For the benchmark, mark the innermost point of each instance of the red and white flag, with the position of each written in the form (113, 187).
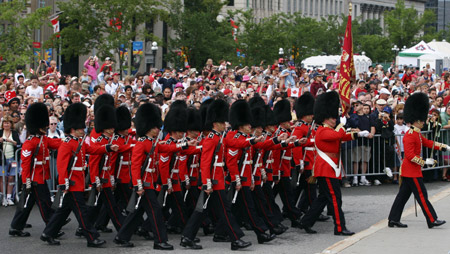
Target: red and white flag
(293, 92)
(55, 24)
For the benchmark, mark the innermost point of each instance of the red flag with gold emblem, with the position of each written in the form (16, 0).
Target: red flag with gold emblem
(347, 71)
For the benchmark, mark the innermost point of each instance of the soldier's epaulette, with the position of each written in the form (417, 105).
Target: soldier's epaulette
(199, 138)
(67, 139)
(30, 137)
(410, 131)
(169, 141)
(211, 135)
(142, 139)
(99, 139)
(237, 135)
(299, 123)
(116, 137)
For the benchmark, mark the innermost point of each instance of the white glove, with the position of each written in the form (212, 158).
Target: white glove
(429, 161)
(28, 183)
(363, 134)
(302, 165)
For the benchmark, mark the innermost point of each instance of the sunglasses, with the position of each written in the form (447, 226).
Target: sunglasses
(15, 116)
(20, 88)
(22, 114)
(53, 124)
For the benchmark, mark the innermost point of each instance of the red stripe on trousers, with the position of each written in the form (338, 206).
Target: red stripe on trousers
(335, 205)
(81, 217)
(422, 199)
(226, 216)
(154, 218)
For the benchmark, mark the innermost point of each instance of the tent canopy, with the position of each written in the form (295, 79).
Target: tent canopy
(440, 46)
(417, 50)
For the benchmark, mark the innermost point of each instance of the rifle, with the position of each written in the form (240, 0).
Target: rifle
(93, 197)
(303, 163)
(241, 175)
(25, 195)
(190, 160)
(119, 163)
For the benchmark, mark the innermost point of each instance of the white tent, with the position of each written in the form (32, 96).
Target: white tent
(417, 50)
(362, 63)
(440, 46)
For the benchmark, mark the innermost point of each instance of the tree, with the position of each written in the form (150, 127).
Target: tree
(198, 33)
(405, 25)
(108, 26)
(16, 41)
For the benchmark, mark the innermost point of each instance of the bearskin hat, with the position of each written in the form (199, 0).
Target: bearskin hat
(282, 111)
(194, 120)
(203, 109)
(270, 116)
(176, 118)
(178, 104)
(36, 118)
(258, 117)
(416, 108)
(105, 118)
(75, 117)
(148, 116)
(123, 117)
(256, 101)
(217, 112)
(104, 99)
(304, 105)
(240, 114)
(326, 106)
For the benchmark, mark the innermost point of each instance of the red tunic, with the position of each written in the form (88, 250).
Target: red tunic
(328, 140)
(300, 131)
(412, 163)
(41, 165)
(65, 152)
(282, 157)
(138, 156)
(168, 153)
(125, 143)
(102, 171)
(209, 170)
(189, 163)
(235, 143)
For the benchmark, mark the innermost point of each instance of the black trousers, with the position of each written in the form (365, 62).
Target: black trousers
(41, 196)
(73, 201)
(412, 185)
(178, 207)
(122, 195)
(287, 197)
(270, 201)
(150, 205)
(329, 193)
(248, 211)
(226, 224)
(112, 210)
(262, 208)
(308, 192)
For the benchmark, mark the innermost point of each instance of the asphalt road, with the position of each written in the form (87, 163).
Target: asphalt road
(363, 207)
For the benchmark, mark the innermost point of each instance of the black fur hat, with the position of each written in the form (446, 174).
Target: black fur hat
(36, 118)
(178, 104)
(102, 100)
(105, 118)
(270, 116)
(75, 117)
(240, 114)
(176, 118)
(304, 105)
(217, 112)
(416, 108)
(194, 119)
(258, 117)
(123, 117)
(148, 116)
(256, 101)
(282, 111)
(203, 109)
(326, 106)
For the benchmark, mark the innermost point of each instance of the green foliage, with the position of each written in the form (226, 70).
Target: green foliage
(16, 41)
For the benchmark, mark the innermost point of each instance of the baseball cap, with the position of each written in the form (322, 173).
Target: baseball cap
(384, 91)
(381, 102)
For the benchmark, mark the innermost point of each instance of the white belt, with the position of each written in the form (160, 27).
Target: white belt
(150, 170)
(105, 168)
(258, 165)
(77, 168)
(327, 159)
(175, 171)
(286, 158)
(269, 161)
(195, 165)
(125, 163)
(219, 164)
(41, 162)
(248, 162)
(310, 149)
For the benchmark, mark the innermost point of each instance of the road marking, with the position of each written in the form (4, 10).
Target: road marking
(347, 242)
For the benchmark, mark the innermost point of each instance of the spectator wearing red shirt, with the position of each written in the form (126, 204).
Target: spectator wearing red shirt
(317, 84)
(52, 68)
(361, 87)
(407, 77)
(108, 63)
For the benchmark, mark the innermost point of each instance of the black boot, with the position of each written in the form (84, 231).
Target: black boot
(323, 217)
(144, 233)
(79, 232)
(221, 238)
(344, 232)
(239, 244)
(188, 243)
(60, 233)
(436, 223)
(398, 224)
(308, 229)
(104, 229)
(264, 238)
(162, 246)
(123, 243)
(50, 240)
(19, 233)
(97, 243)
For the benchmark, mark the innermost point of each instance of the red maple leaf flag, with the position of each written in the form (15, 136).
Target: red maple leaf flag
(55, 24)
(347, 71)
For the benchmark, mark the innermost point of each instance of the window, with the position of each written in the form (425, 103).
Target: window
(230, 3)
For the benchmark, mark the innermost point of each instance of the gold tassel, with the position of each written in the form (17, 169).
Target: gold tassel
(312, 180)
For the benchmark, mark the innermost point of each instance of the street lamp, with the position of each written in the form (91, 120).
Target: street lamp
(395, 49)
(154, 49)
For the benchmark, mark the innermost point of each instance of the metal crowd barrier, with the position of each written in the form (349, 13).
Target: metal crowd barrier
(18, 172)
(385, 153)
(3, 178)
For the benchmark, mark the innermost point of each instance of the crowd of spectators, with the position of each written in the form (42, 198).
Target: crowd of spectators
(377, 100)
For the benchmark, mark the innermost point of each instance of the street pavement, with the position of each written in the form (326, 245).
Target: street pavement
(363, 207)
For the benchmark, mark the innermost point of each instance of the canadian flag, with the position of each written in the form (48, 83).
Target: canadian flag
(9, 95)
(293, 92)
(55, 24)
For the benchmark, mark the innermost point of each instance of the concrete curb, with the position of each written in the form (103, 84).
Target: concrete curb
(347, 242)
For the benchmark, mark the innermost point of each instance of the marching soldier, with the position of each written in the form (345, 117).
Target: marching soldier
(213, 180)
(327, 167)
(101, 172)
(35, 170)
(239, 164)
(71, 164)
(144, 175)
(306, 191)
(415, 113)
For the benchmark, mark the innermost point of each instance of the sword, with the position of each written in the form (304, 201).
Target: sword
(138, 201)
(61, 200)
